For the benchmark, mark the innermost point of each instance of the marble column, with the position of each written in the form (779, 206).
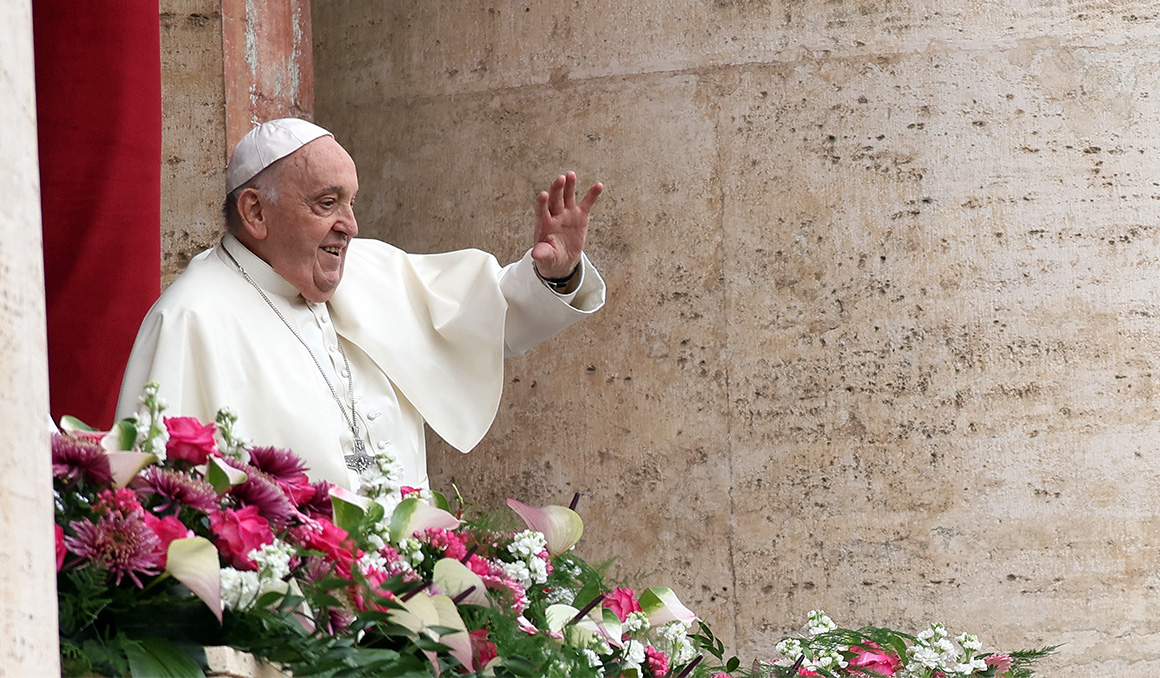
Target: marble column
(28, 646)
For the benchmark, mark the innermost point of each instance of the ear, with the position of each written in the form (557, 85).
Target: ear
(250, 209)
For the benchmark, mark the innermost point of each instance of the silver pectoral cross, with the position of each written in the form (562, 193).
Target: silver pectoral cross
(360, 460)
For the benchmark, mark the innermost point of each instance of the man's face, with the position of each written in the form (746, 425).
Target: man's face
(311, 222)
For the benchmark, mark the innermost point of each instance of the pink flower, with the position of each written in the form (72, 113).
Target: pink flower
(189, 440)
(167, 530)
(875, 659)
(238, 533)
(482, 649)
(122, 502)
(61, 551)
(453, 543)
(406, 491)
(1001, 662)
(176, 489)
(656, 661)
(122, 544)
(622, 602)
(260, 491)
(74, 460)
(328, 538)
(722, 675)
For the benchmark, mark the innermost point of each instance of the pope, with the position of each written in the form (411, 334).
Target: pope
(341, 348)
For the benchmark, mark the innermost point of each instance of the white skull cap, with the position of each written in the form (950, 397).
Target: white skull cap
(266, 143)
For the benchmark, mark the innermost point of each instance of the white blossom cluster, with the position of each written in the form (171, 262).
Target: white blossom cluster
(242, 588)
(273, 560)
(934, 651)
(382, 482)
(594, 661)
(150, 426)
(634, 657)
(634, 622)
(411, 550)
(673, 640)
(530, 568)
(819, 622)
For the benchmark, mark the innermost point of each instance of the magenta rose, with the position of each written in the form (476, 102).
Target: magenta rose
(167, 530)
(189, 440)
(238, 533)
(875, 659)
(60, 547)
(622, 602)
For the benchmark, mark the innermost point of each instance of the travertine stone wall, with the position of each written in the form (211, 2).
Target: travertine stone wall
(28, 645)
(193, 130)
(881, 335)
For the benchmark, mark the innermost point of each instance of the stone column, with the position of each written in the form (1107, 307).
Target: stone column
(28, 645)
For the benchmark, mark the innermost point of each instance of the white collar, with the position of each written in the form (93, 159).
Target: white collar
(261, 272)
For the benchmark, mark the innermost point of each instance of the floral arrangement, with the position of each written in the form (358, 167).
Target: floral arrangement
(173, 535)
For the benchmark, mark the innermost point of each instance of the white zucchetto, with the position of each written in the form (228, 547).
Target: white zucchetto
(266, 143)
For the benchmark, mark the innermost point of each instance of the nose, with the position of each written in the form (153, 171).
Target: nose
(347, 223)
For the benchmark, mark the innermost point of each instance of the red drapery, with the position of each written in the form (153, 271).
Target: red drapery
(98, 100)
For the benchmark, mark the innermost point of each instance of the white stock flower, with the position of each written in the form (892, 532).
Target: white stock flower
(635, 621)
(819, 623)
(273, 560)
(527, 544)
(240, 589)
(518, 572)
(633, 654)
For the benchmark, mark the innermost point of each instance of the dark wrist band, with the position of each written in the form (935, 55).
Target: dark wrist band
(559, 283)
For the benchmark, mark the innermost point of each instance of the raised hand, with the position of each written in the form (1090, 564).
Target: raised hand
(561, 226)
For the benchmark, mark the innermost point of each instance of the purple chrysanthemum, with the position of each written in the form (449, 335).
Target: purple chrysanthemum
(277, 463)
(319, 505)
(260, 491)
(124, 545)
(74, 459)
(176, 487)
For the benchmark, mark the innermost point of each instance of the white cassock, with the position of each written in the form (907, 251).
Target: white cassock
(425, 336)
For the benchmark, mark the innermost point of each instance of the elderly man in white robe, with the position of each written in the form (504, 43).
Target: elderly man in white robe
(340, 348)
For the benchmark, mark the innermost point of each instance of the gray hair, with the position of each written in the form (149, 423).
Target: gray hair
(265, 182)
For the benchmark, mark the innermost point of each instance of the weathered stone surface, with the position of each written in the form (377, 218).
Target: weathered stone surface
(193, 123)
(27, 559)
(880, 336)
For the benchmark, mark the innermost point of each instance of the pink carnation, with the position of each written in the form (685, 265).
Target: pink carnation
(656, 661)
(622, 602)
(190, 440)
(238, 533)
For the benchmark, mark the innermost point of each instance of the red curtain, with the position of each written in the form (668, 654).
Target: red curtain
(98, 100)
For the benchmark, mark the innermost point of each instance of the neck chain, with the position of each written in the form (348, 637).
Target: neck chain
(360, 460)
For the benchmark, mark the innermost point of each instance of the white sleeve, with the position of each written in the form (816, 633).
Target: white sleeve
(536, 313)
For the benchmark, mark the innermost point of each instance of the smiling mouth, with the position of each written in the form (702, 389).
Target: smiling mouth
(333, 249)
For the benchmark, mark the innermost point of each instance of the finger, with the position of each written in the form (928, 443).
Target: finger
(570, 190)
(590, 197)
(556, 199)
(542, 215)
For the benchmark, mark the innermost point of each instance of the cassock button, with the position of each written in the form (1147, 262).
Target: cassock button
(382, 444)
(373, 415)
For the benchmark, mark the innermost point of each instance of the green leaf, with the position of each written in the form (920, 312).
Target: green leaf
(349, 508)
(223, 476)
(159, 658)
